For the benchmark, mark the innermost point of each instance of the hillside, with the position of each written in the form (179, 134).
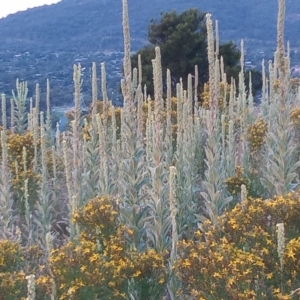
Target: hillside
(92, 25)
(58, 35)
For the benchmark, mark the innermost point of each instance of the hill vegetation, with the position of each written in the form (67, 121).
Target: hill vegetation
(44, 42)
(90, 25)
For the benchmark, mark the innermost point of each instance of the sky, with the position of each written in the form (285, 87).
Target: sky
(12, 6)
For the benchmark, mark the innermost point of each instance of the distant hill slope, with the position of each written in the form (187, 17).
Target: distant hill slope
(96, 24)
(45, 42)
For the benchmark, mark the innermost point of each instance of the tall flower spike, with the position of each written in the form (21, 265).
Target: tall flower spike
(24, 156)
(217, 39)
(4, 122)
(281, 53)
(48, 116)
(12, 114)
(280, 243)
(244, 194)
(94, 90)
(211, 62)
(37, 98)
(104, 95)
(159, 86)
(173, 209)
(135, 79)
(127, 61)
(103, 83)
(172, 194)
(196, 87)
(280, 37)
(49, 242)
(77, 87)
(31, 121)
(140, 72)
(30, 287)
(18, 234)
(190, 95)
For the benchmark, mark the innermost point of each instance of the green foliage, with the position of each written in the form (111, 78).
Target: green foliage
(182, 39)
(183, 42)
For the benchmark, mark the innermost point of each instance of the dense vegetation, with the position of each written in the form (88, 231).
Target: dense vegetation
(166, 197)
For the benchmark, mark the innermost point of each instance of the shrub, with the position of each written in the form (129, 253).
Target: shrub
(100, 262)
(240, 260)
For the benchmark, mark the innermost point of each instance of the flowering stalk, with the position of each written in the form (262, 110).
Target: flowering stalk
(173, 284)
(4, 121)
(280, 243)
(30, 287)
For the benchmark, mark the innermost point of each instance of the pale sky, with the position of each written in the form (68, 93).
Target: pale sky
(12, 6)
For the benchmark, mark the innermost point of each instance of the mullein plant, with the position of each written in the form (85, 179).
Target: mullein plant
(7, 216)
(159, 224)
(5, 196)
(31, 287)
(20, 99)
(107, 142)
(184, 154)
(214, 196)
(44, 206)
(279, 174)
(247, 118)
(73, 155)
(173, 282)
(133, 174)
(28, 217)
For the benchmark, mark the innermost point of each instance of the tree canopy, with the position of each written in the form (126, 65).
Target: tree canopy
(182, 39)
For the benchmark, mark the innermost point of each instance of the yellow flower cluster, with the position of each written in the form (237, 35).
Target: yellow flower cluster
(84, 271)
(205, 96)
(294, 83)
(88, 268)
(100, 110)
(257, 133)
(234, 183)
(163, 114)
(10, 255)
(239, 260)
(18, 188)
(15, 144)
(12, 285)
(15, 263)
(12, 277)
(295, 116)
(101, 261)
(98, 217)
(85, 133)
(58, 160)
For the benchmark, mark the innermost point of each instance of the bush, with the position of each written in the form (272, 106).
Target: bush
(240, 260)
